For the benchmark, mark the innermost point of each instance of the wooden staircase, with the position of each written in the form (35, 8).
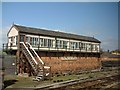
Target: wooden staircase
(35, 61)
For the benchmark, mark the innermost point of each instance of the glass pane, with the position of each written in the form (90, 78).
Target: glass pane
(21, 38)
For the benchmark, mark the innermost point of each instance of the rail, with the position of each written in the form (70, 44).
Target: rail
(100, 82)
(35, 53)
(29, 52)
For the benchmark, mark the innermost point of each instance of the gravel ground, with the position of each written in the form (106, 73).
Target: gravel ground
(9, 64)
(6, 62)
(1, 78)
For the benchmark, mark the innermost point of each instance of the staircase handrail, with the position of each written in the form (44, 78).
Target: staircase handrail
(29, 53)
(35, 53)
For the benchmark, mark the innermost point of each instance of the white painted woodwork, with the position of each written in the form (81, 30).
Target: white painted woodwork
(13, 32)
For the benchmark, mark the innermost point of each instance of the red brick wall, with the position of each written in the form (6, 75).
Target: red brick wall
(58, 65)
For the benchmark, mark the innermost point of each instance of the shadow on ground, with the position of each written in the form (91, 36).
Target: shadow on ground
(9, 82)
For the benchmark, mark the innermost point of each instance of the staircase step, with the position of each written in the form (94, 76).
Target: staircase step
(39, 69)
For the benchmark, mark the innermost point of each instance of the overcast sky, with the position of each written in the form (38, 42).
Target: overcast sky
(98, 19)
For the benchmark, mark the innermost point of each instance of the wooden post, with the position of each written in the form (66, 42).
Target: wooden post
(99, 60)
(50, 74)
(18, 54)
(6, 47)
(43, 72)
(25, 39)
(3, 47)
(38, 43)
(91, 47)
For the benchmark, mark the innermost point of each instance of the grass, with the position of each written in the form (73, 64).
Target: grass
(2, 53)
(14, 81)
(65, 78)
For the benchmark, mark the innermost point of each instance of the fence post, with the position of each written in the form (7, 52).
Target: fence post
(3, 47)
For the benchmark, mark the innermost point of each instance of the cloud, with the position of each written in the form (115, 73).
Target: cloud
(57, 30)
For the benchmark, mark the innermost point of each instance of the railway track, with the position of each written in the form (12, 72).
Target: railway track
(101, 82)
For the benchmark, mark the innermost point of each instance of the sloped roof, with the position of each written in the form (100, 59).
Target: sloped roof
(54, 33)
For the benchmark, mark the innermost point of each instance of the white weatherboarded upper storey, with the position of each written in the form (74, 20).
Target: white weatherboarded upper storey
(13, 32)
(51, 40)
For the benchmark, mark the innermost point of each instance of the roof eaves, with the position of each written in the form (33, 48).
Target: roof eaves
(55, 33)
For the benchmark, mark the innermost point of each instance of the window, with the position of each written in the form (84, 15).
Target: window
(65, 44)
(79, 45)
(83, 46)
(95, 47)
(11, 39)
(32, 41)
(21, 38)
(27, 39)
(61, 44)
(16, 40)
(72, 45)
(98, 47)
(50, 43)
(91, 46)
(58, 44)
(88, 47)
(41, 42)
(76, 45)
(36, 42)
(45, 42)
